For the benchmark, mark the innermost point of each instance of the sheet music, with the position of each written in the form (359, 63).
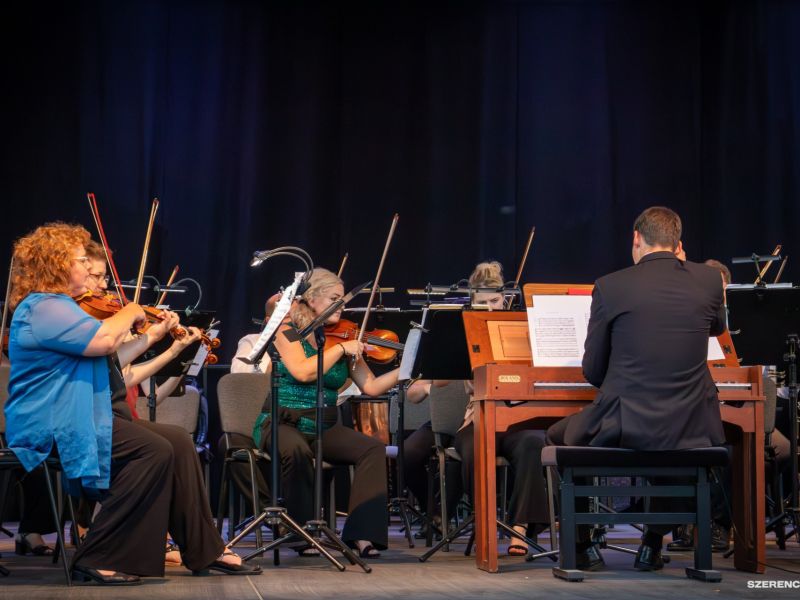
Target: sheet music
(411, 347)
(281, 310)
(715, 350)
(558, 326)
(200, 358)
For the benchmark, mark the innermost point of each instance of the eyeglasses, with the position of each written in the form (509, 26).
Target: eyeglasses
(100, 278)
(84, 260)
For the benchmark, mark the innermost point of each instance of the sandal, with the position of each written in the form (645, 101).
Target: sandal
(517, 550)
(22, 546)
(306, 550)
(229, 568)
(369, 551)
(170, 548)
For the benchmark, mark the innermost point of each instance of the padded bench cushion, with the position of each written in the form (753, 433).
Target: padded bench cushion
(585, 456)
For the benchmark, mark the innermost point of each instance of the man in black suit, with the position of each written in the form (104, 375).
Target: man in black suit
(646, 351)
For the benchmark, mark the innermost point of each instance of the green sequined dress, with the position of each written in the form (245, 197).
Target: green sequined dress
(302, 397)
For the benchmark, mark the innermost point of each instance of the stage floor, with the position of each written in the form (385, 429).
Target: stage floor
(399, 574)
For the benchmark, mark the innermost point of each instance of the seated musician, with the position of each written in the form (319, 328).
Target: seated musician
(240, 472)
(366, 525)
(189, 508)
(247, 343)
(646, 350)
(520, 446)
(61, 392)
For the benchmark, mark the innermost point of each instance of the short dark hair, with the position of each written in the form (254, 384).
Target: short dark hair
(659, 226)
(726, 272)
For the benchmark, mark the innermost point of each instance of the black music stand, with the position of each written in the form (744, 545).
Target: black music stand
(177, 367)
(409, 325)
(443, 355)
(404, 380)
(765, 327)
(276, 515)
(314, 530)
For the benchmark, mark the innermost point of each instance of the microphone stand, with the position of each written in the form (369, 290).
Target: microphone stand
(314, 530)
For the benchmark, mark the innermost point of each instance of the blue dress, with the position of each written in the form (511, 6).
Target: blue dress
(55, 393)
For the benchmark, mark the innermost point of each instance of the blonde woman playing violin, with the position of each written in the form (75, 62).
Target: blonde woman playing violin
(366, 525)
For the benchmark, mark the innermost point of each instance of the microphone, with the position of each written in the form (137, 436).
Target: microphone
(180, 289)
(259, 256)
(132, 285)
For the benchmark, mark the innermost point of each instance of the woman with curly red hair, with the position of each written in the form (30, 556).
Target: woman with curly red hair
(60, 392)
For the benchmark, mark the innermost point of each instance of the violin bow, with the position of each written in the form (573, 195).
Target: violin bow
(780, 271)
(104, 242)
(169, 283)
(5, 307)
(143, 263)
(768, 265)
(341, 267)
(524, 256)
(376, 282)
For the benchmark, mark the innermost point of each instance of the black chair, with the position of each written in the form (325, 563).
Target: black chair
(586, 462)
(448, 405)
(240, 397)
(182, 411)
(9, 462)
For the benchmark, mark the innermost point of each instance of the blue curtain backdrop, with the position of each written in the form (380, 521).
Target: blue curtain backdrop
(261, 124)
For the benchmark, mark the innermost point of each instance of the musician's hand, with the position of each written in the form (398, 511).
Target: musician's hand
(158, 330)
(353, 348)
(192, 335)
(135, 312)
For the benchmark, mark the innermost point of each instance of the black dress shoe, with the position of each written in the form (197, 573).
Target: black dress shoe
(80, 573)
(648, 559)
(683, 540)
(589, 559)
(720, 538)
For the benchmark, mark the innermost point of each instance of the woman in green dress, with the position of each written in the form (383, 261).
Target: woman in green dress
(366, 525)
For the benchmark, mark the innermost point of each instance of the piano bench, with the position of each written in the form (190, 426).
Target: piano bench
(588, 462)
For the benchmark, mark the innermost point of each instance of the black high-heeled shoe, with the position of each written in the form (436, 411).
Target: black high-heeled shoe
(23, 546)
(80, 573)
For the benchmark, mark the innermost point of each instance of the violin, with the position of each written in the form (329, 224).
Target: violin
(102, 306)
(212, 344)
(386, 344)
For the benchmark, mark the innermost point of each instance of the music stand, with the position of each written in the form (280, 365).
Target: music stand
(202, 319)
(765, 325)
(314, 529)
(404, 379)
(444, 355)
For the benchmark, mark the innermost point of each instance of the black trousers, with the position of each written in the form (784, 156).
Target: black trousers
(191, 524)
(156, 485)
(36, 517)
(417, 451)
(523, 450)
(368, 514)
(654, 533)
(128, 533)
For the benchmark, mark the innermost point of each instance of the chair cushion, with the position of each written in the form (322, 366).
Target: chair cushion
(584, 456)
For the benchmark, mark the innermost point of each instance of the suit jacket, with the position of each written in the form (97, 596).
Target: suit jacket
(646, 350)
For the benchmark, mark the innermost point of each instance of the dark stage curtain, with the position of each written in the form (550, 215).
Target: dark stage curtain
(261, 124)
